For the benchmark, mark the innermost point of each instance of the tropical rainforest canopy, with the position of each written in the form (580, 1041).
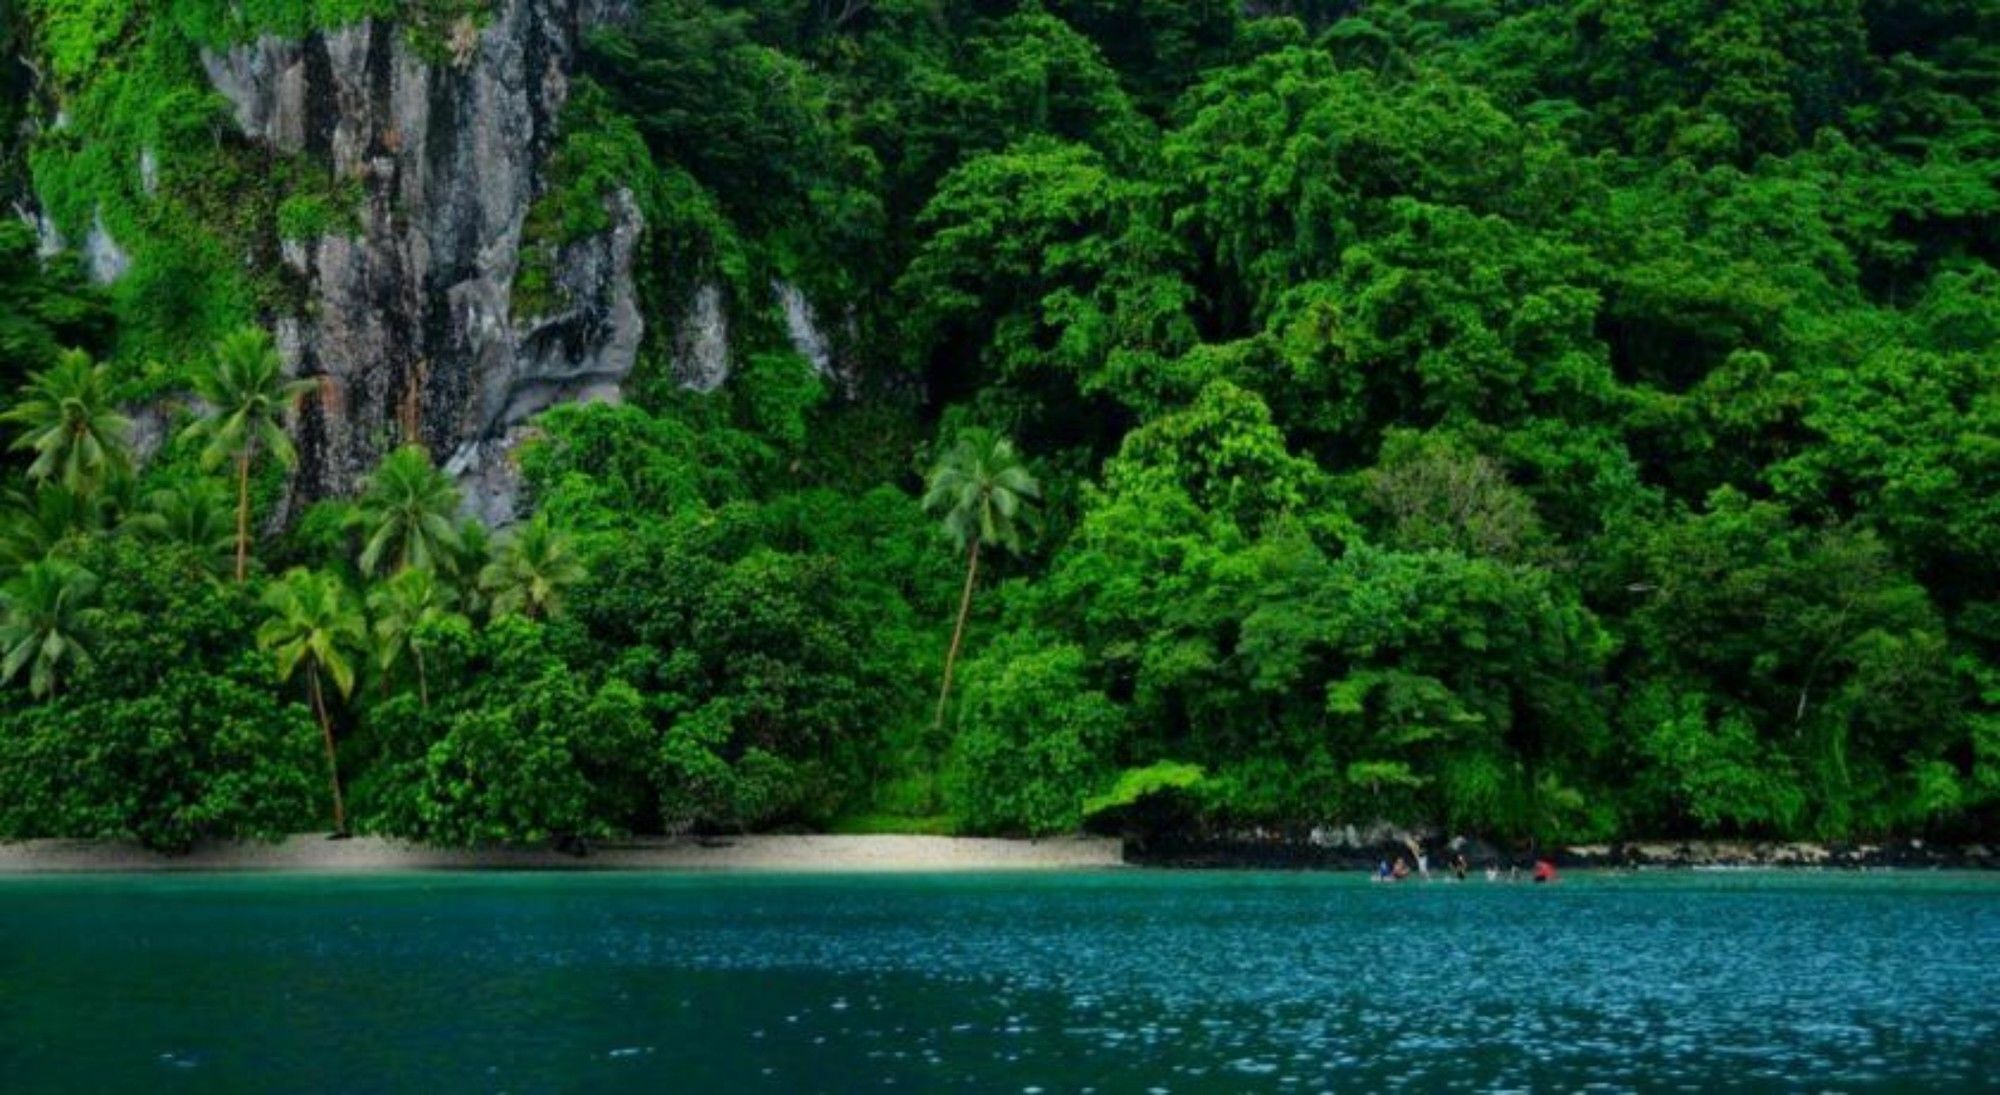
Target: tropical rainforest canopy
(1569, 419)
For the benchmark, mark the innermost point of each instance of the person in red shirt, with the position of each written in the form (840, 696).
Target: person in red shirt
(1544, 871)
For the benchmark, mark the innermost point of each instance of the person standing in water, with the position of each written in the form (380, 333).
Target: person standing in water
(1545, 871)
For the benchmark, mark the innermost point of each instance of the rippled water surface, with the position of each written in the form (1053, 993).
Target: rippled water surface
(1138, 982)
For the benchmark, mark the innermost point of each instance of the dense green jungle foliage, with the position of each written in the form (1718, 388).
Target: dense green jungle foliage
(1563, 419)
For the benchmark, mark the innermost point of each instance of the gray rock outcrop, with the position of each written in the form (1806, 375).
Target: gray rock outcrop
(827, 348)
(103, 257)
(409, 318)
(701, 341)
(803, 329)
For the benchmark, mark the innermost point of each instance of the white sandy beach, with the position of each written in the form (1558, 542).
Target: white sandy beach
(736, 853)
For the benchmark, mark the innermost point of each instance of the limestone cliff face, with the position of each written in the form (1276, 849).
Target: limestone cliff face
(409, 316)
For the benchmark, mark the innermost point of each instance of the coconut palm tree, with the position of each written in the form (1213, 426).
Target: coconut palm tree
(193, 514)
(314, 621)
(45, 617)
(400, 607)
(409, 509)
(247, 391)
(985, 495)
(34, 525)
(532, 570)
(461, 567)
(67, 418)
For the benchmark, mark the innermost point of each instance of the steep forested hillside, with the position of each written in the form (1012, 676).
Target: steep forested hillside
(569, 417)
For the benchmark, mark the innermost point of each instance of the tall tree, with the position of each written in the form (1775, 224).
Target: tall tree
(315, 621)
(68, 419)
(34, 525)
(246, 388)
(401, 606)
(46, 617)
(408, 508)
(531, 572)
(194, 514)
(984, 493)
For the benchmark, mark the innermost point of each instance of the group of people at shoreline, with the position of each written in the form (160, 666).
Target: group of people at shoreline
(1385, 871)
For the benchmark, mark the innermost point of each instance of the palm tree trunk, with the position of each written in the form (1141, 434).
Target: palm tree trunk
(423, 678)
(957, 633)
(326, 733)
(242, 516)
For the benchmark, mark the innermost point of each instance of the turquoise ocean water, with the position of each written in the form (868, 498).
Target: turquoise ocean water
(1115, 982)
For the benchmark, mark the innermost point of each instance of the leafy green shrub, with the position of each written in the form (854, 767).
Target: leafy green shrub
(1032, 738)
(517, 747)
(1710, 769)
(309, 216)
(778, 393)
(1134, 784)
(197, 757)
(1161, 795)
(176, 733)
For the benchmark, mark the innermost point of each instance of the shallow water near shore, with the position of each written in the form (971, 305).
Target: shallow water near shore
(1116, 981)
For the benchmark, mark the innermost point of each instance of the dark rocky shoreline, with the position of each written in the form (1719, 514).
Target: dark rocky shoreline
(1349, 850)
